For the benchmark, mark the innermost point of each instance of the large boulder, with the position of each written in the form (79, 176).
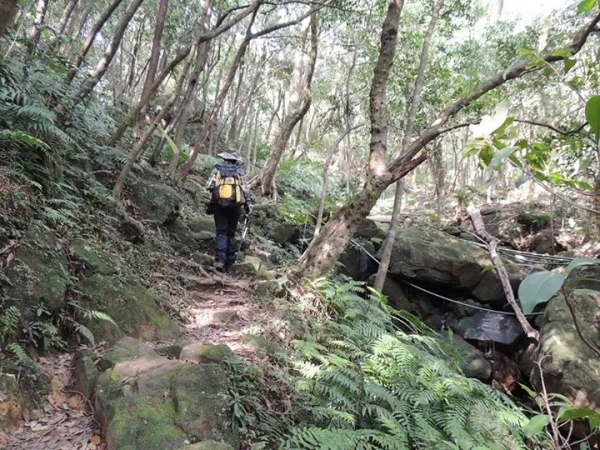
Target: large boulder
(570, 367)
(94, 258)
(156, 201)
(356, 262)
(39, 273)
(431, 256)
(512, 223)
(472, 361)
(287, 233)
(202, 223)
(137, 311)
(146, 401)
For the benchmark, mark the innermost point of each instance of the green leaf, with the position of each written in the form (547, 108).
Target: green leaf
(568, 413)
(561, 53)
(524, 52)
(501, 155)
(585, 6)
(578, 262)
(536, 425)
(592, 114)
(538, 288)
(569, 64)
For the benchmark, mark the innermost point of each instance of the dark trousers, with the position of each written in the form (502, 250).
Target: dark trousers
(226, 222)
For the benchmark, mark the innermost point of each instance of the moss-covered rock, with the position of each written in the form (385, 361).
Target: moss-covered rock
(206, 353)
(137, 311)
(262, 344)
(39, 273)
(132, 230)
(286, 233)
(170, 351)
(534, 220)
(96, 260)
(182, 237)
(156, 201)
(472, 360)
(209, 445)
(255, 268)
(85, 373)
(572, 367)
(202, 223)
(22, 388)
(431, 256)
(151, 402)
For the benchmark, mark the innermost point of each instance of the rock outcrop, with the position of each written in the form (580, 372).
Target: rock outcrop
(433, 257)
(146, 401)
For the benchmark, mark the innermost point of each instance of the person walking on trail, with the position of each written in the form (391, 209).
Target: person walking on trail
(229, 194)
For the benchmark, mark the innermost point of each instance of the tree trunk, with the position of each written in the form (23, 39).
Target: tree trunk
(8, 11)
(75, 27)
(92, 81)
(212, 118)
(66, 16)
(154, 58)
(388, 245)
(300, 100)
(89, 40)
(41, 8)
(326, 248)
(236, 104)
(332, 150)
(139, 147)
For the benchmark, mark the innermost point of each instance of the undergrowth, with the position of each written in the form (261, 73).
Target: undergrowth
(359, 382)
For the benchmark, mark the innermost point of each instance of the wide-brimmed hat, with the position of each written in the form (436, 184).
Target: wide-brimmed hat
(229, 156)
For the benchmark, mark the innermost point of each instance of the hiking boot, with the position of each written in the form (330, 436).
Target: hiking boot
(220, 267)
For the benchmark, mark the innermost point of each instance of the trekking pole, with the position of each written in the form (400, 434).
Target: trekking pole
(247, 221)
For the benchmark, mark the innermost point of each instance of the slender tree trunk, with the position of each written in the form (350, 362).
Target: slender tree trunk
(280, 97)
(92, 81)
(62, 26)
(332, 151)
(236, 104)
(8, 11)
(300, 100)
(154, 58)
(212, 118)
(74, 29)
(89, 40)
(134, 56)
(66, 16)
(415, 101)
(41, 8)
(326, 248)
(139, 147)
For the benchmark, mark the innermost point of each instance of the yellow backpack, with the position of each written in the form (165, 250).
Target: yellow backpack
(228, 186)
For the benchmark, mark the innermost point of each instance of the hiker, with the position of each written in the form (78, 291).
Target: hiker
(227, 184)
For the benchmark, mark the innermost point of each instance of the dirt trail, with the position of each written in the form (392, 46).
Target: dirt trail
(217, 314)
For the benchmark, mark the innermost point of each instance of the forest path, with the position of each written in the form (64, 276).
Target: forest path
(215, 311)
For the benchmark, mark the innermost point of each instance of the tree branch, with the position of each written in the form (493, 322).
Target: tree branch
(279, 26)
(510, 296)
(516, 71)
(553, 128)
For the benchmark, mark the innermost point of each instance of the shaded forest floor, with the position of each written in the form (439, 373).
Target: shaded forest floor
(217, 313)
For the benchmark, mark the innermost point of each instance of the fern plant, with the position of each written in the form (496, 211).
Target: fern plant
(374, 387)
